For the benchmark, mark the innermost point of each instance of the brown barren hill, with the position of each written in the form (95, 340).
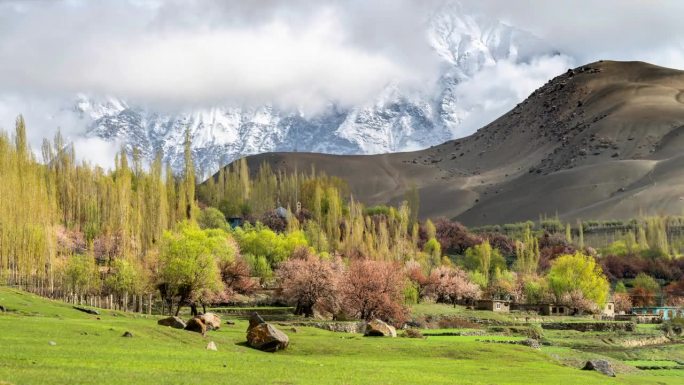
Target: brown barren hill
(601, 141)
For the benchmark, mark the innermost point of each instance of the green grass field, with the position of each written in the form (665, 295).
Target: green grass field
(91, 351)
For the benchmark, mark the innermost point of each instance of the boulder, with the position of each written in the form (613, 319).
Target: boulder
(264, 336)
(212, 321)
(174, 322)
(377, 328)
(601, 366)
(212, 346)
(196, 325)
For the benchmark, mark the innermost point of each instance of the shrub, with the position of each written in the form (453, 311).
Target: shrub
(211, 218)
(412, 333)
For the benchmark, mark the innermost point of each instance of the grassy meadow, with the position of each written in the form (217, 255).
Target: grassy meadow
(89, 350)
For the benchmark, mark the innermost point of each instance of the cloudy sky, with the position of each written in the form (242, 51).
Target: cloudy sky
(179, 54)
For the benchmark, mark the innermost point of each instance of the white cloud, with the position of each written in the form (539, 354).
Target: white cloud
(124, 51)
(496, 89)
(179, 54)
(96, 151)
(591, 30)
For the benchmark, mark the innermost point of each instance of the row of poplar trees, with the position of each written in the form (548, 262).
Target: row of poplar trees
(112, 215)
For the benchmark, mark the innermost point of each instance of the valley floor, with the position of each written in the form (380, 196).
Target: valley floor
(88, 350)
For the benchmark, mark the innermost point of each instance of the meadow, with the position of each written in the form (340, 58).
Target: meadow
(88, 350)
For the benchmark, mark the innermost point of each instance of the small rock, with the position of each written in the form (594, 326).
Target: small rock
(212, 346)
(231, 323)
(127, 334)
(52, 343)
(2, 309)
(174, 322)
(601, 366)
(293, 330)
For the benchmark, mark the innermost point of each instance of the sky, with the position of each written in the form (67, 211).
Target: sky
(179, 54)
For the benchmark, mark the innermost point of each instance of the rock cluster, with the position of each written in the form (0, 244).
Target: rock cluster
(198, 324)
(264, 336)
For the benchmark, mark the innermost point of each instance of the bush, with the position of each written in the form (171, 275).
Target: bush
(211, 218)
(412, 333)
(534, 331)
(674, 326)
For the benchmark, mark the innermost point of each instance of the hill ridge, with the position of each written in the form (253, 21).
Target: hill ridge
(600, 141)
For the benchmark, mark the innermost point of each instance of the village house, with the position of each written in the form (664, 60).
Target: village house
(495, 305)
(663, 312)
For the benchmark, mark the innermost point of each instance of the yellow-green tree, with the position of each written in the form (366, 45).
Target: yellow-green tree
(577, 272)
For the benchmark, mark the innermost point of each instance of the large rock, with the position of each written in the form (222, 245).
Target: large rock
(174, 322)
(212, 321)
(264, 336)
(196, 325)
(601, 366)
(377, 328)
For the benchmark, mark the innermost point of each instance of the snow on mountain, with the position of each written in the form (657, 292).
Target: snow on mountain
(396, 120)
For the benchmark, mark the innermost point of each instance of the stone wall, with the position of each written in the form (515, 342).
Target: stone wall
(591, 326)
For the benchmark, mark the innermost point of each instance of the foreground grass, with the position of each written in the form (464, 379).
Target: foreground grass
(91, 351)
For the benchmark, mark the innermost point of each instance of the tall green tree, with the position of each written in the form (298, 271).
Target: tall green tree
(578, 272)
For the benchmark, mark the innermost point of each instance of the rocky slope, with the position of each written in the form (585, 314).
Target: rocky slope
(602, 141)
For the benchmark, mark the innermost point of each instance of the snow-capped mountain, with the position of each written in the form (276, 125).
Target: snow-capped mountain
(397, 120)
